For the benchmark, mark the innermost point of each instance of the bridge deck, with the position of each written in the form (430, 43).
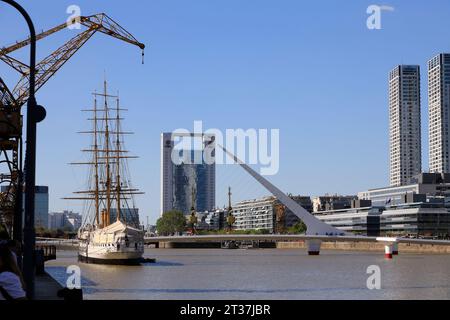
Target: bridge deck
(347, 238)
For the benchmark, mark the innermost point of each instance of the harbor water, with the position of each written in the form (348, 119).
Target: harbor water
(261, 274)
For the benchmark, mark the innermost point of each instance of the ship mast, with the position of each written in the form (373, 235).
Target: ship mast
(107, 157)
(118, 186)
(107, 168)
(96, 193)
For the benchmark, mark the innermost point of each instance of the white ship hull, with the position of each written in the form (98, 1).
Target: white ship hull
(116, 244)
(100, 255)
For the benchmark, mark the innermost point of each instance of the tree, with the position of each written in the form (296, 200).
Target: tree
(298, 228)
(171, 222)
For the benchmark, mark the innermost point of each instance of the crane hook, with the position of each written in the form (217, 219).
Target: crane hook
(143, 55)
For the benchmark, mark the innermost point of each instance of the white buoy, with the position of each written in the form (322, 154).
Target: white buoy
(388, 251)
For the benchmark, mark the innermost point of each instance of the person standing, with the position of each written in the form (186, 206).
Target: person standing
(11, 281)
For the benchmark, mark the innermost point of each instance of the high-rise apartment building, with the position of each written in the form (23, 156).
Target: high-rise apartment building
(187, 175)
(439, 112)
(405, 124)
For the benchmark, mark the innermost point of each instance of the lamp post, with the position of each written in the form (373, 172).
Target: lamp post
(35, 114)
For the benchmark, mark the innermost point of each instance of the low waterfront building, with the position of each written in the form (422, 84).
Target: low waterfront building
(73, 220)
(150, 231)
(431, 185)
(210, 220)
(360, 221)
(336, 202)
(284, 217)
(416, 219)
(417, 216)
(256, 214)
(216, 220)
(64, 220)
(55, 220)
(267, 214)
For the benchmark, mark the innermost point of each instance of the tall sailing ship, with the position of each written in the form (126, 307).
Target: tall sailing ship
(110, 233)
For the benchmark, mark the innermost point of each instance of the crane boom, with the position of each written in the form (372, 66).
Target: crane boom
(6, 97)
(11, 121)
(26, 42)
(20, 67)
(103, 23)
(51, 64)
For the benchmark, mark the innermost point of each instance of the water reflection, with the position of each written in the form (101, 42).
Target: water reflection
(262, 274)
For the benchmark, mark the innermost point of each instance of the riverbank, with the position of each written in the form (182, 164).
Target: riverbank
(369, 247)
(338, 246)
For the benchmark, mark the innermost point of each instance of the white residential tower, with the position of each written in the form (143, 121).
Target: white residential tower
(404, 117)
(439, 112)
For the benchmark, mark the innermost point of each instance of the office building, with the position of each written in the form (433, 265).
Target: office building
(179, 180)
(404, 124)
(416, 217)
(360, 221)
(439, 113)
(432, 185)
(40, 205)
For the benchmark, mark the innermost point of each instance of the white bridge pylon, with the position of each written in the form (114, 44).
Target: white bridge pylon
(314, 226)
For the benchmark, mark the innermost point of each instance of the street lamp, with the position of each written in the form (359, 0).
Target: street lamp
(35, 114)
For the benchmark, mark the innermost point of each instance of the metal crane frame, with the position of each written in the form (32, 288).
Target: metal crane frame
(11, 101)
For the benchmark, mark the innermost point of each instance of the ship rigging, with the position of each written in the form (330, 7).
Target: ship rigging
(110, 232)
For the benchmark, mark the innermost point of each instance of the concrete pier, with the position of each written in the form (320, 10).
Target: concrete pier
(313, 247)
(395, 249)
(46, 287)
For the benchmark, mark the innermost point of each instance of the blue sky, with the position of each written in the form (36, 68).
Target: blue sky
(311, 69)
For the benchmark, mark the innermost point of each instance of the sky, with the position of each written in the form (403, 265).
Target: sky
(311, 69)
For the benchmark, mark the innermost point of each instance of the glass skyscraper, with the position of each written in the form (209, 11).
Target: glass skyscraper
(41, 210)
(180, 180)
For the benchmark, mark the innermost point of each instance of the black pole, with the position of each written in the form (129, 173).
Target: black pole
(18, 210)
(30, 162)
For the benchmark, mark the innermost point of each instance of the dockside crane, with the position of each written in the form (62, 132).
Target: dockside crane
(11, 101)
